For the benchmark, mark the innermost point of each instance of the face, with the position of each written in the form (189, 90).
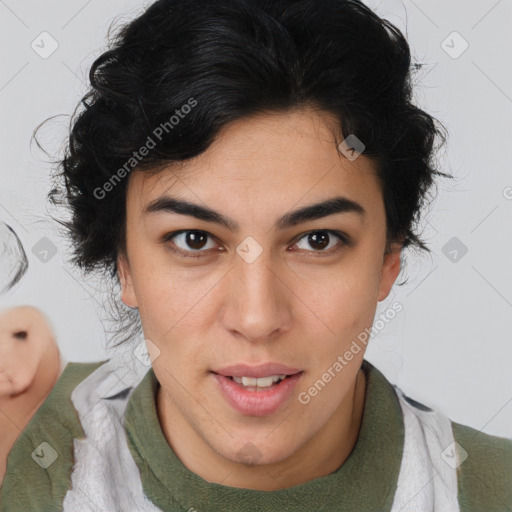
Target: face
(268, 287)
(25, 336)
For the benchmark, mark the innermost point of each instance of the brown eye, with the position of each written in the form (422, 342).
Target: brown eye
(191, 239)
(195, 239)
(320, 239)
(20, 335)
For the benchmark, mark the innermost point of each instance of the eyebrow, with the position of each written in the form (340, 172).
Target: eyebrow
(326, 208)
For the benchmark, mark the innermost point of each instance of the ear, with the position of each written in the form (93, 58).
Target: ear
(390, 270)
(125, 278)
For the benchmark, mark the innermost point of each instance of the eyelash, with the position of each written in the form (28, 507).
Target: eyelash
(344, 239)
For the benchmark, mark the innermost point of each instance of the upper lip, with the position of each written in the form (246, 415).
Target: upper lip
(262, 370)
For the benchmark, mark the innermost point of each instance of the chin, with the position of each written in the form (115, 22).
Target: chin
(256, 453)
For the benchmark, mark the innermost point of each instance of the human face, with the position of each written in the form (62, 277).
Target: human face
(262, 293)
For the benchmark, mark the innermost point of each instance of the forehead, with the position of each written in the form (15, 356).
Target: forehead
(265, 161)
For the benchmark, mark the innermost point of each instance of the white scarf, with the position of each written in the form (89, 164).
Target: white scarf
(106, 472)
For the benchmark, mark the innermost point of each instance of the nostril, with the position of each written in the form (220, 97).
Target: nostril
(20, 335)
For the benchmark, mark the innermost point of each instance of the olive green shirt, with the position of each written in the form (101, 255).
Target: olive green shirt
(366, 481)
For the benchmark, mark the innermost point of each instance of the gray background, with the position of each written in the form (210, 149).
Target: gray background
(451, 346)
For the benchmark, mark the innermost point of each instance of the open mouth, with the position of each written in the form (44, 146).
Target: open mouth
(258, 396)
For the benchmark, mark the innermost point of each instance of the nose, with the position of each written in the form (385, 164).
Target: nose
(257, 304)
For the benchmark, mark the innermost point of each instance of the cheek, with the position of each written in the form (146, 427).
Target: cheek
(347, 300)
(171, 319)
(171, 298)
(343, 313)
(161, 305)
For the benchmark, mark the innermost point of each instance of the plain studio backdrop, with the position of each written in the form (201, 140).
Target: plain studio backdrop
(450, 346)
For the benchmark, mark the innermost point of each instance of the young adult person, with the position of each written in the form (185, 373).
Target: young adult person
(250, 171)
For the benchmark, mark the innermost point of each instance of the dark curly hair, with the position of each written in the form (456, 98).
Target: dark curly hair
(231, 59)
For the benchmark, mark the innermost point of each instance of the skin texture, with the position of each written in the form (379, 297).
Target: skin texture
(287, 306)
(29, 368)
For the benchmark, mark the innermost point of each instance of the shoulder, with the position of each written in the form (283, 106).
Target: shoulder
(482, 462)
(43, 453)
(485, 474)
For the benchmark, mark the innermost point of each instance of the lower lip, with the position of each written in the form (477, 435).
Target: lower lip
(257, 403)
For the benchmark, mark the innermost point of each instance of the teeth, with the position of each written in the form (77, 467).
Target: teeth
(261, 382)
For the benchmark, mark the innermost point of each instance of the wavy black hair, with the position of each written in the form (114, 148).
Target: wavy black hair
(232, 59)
